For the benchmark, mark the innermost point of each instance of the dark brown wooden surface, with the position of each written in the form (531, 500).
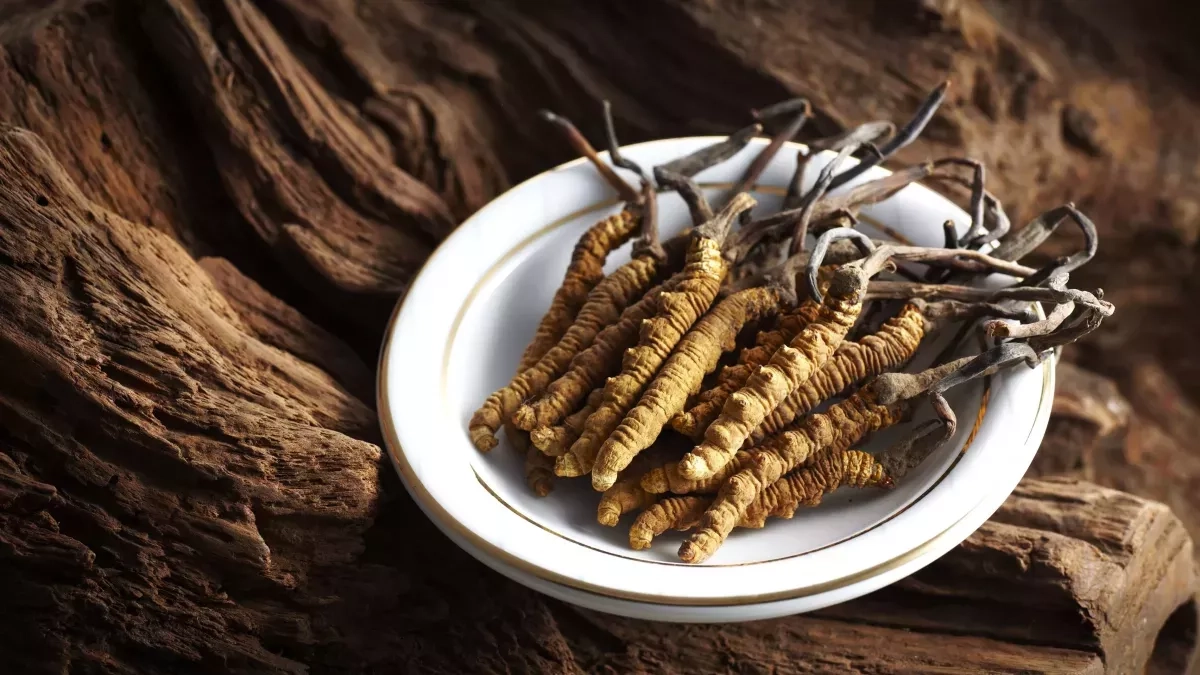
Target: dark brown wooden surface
(208, 208)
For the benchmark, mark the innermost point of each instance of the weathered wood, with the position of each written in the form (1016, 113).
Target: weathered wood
(1066, 578)
(190, 479)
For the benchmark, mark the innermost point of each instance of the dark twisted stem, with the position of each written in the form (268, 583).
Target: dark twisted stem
(581, 145)
(907, 135)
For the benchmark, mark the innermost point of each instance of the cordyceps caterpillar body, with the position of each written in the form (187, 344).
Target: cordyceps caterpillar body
(891, 346)
(845, 422)
(695, 356)
(604, 306)
(694, 290)
(623, 496)
(803, 487)
(589, 367)
(693, 421)
(554, 441)
(854, 361)
(602, 301)
(790, 366)
(585, 270)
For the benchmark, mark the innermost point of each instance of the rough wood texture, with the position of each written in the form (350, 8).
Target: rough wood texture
(210, 206)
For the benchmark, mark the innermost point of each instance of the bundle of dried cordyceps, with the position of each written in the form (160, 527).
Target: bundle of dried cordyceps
(627, 363)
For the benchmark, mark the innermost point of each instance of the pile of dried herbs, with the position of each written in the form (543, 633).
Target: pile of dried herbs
(682, 384)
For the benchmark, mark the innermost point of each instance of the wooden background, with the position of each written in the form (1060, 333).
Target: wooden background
(209, 207)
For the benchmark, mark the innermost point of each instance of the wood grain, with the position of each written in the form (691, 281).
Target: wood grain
(209, 208)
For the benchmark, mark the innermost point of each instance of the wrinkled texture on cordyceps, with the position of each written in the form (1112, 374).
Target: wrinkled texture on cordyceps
(803, 487)
(604, 305)
(589, 367)
(585, 270)
(668, 478)
(693, 421)
(854, 361)
(624, 496)
(694, 290)
(790, 366)
(555, 440)
(695, 356)
(846, 422)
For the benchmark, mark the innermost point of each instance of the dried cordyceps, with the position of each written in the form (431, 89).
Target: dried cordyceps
(622, 497)
(554, 441)
(845, 422)
(640, 342)
(695, 356)
(891, 346)
(586, 268)
(604, 306)
(589, 367)
(584, 272)
(693, 292)
(667, 478)
(584, 278)
(790, 366)
(539, 468)
(803, 487)
(693, 421)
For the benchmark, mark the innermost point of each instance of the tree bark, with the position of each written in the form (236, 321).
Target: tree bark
(209, 207)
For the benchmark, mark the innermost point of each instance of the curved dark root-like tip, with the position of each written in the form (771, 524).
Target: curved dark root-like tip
(1091, 244)
(1020, 243)
(1001, 225)
(821, 248)
(907, 134)
(649, 242)
(793, 105)
(924, 440)
(614, 148)
(1001, 356)
(698, 206)
(951, 234)
(754, 171)
(581, 145)
(712, 155)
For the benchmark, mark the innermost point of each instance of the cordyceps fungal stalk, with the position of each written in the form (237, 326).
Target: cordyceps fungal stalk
(695, 356)
(850, 142)
(801, 111)
(814, 205)
(890, 347)
(907, 134)
(845, 423)
(803, 487)
(555, 440)
(792, 364)
(622, 497)
(586, 268)
(694, 290)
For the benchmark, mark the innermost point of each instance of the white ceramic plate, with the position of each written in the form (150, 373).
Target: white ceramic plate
(461, 328)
